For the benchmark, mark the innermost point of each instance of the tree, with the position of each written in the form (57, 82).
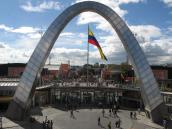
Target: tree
(102, 65)
(124, 67)
(96, 65)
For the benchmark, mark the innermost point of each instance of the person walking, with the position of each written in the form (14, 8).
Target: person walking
(109, 125)
(51, 124)
(139, 111)
(71, 114)
(135, 117)
(109, 112)
(113, 113)
(48, 124)
(103, 112)
(46, 119)
(99, 121)
(119, 123)
(165, 124)
(116, 113)
(114, 106)
(0, 122)
(131, 115)
(43, 125)
(116, 124)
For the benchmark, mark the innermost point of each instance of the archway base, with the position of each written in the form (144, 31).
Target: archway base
(15, 111)
(156, 115)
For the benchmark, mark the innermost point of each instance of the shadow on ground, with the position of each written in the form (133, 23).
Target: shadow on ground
(28, 123)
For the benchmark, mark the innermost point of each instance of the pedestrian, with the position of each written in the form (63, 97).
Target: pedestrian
(139, 111)
(71, 114)
(119, 123)
(116, 124)
(51, 125)
(113, 113)
(0, 122)
(114, 106)
(109, 112)
(165, 123)
(135, 115)
(116, 113)
(103, 112)
(131, 114)
(43, 124)
(75, 106)
(117, 107)
(48, 124)
(99, 121)
(109, 125)
(46, 119)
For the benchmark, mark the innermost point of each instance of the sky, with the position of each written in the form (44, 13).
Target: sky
(22, 22)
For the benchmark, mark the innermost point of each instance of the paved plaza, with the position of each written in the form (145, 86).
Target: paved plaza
(83, 119)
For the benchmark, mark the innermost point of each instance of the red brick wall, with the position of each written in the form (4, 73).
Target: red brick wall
(53, 72)
(15, 71)
(64, 70)
(160, 74)
(50, 76)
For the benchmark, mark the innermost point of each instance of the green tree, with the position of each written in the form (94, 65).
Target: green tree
(124, 67)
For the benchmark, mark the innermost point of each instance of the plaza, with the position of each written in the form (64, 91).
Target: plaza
(83, 119)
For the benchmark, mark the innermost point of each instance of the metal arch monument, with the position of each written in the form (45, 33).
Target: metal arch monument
(149, 89)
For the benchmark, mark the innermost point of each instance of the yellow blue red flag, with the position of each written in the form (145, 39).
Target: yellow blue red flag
(92, 40)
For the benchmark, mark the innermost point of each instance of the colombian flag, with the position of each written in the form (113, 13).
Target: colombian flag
(92, 40)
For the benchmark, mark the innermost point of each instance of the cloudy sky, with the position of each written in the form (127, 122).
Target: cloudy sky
(23, 21)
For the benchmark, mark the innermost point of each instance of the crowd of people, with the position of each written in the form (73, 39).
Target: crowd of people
(133, 115)
(112, 113)
(47, 124)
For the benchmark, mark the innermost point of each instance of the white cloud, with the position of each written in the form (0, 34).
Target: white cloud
(129, 1)
(156, 45)
(67, 34)
(25, 42)
(25, 30)
(150, 37)
(6, 28)
(89, 17)
(158, 51)
(72, 34)
(13, 55)
(21, 55)
(101, 23)
(3, 45)
(146, 31)
(170, 29)
(22, 30)
(167, 2)
(41, 7)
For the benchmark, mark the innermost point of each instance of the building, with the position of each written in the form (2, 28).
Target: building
(163, 75)
(7, 89)
(64, 71)
(12, 70)
(95, 94)
(15, 70)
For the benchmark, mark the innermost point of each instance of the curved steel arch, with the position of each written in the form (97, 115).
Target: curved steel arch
(149, 89)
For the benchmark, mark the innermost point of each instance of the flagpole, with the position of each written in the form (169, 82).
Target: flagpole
(87, 57)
